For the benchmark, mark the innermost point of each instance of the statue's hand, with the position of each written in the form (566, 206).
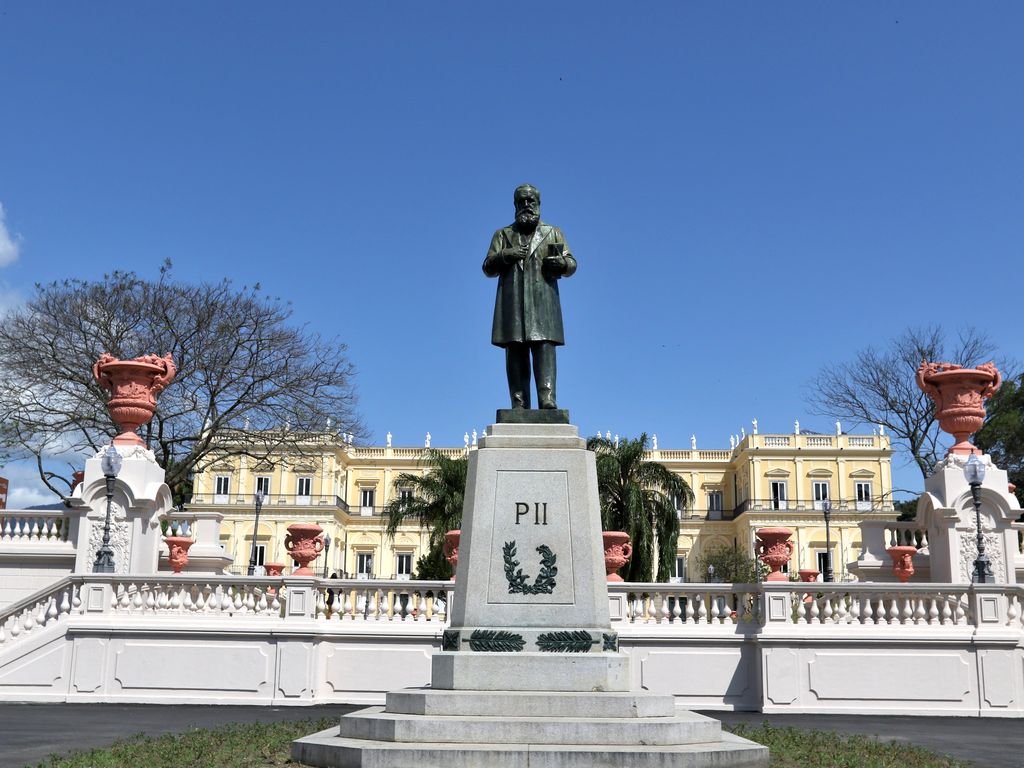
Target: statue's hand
(510, 255)
(555, 264)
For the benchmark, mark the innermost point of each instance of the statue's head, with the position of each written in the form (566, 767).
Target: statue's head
(527, 201)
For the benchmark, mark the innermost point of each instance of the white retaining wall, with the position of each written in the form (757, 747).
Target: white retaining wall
(930, 649)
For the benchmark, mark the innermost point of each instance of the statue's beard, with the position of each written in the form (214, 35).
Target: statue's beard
(527, 219)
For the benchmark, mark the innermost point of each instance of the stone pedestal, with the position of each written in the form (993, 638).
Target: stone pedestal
(140, 498)
(529, 673)
(946, 510)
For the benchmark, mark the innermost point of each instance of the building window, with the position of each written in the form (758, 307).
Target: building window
(714, 505)
(820, 489)
(222, 487)
(822, 559)
(679, 572)
(263, 485)
(863, 490)
(778, 494)
(405, 496)
(367, 498)
(403, 565)
(303, 490)
(261, 554)
(364, 565)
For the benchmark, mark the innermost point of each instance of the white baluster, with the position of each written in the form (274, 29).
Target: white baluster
(321, 604)
(677, 607)
(690, 610)
(65, 601)
(348, 603)
(946, 614)
(826, 611)
(960, 615)
(423, 606)
(801, 608)
(919, 611)
(51, 611)
(1013, 612)
(702, 612)
(8, 533)
(174, 603)
(906, 609)
(239, 602)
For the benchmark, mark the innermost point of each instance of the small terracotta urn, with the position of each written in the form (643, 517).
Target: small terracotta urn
(273, 569)
(304, 542)
(959, 395)
(177, 549)
(451, 549)
(774, 549)
(902, 562)
(808, 574)
(133, 385)
(617, 551)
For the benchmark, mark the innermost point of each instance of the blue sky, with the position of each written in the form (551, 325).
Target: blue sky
(751, 189)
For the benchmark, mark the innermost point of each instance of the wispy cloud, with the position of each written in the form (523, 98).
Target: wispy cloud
(10, 245)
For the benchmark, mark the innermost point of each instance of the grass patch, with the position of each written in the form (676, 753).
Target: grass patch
(248, 745)
(263, 745)
(798, 748)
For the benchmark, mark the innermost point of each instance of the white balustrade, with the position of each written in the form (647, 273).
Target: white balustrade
(33, 527)
(416, 606)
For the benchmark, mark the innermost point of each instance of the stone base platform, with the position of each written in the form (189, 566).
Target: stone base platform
(423, 727)
(530, 671)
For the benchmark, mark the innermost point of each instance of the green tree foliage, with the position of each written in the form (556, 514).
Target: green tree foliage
(436, 504)
(1002, 436)
(639, 497)
(433, 566)
(878, 386)
(731, 565)
(250, 381)
(906, 508)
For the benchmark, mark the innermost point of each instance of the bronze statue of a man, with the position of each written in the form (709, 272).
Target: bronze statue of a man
(528, 258)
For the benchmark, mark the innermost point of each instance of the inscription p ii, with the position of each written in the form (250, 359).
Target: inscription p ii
(540, 512)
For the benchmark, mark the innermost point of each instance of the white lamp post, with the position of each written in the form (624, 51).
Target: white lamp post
(974, 473)
(111, 465)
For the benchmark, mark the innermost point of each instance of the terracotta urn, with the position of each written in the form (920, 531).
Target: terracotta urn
(617, 551)
(902, 561)
(304, 543)
(177, 548)
(133, 386)
(774, 549)
(451, 549)
(959, 395)
(808, 574)
(273, 569)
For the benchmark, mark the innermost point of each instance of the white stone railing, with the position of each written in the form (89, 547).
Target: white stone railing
(689, 605)
(878, 535)
(348, 600)
(336, 602)
(33, 526)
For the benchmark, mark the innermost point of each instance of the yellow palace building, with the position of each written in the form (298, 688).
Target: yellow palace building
(762, 480)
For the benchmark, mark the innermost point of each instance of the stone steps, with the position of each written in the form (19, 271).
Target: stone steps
(374, 724)
(437, 702)
(328, 750)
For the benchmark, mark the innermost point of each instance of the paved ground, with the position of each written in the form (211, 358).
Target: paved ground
(31, 732)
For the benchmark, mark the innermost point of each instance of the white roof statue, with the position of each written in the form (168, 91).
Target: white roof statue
(693, 442)
(388, 439)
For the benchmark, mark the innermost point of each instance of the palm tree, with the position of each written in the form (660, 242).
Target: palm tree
(639, 497)
(436, 502)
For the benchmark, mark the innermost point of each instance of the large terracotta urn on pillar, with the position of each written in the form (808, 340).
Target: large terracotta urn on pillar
(774, 549)
(133, 385)
(959, 395)
(451, 549)
(304, 542)
(617, 551)
(902, 561)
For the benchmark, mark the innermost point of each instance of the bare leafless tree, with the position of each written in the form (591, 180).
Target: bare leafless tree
(245, 372)
(878, 387)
